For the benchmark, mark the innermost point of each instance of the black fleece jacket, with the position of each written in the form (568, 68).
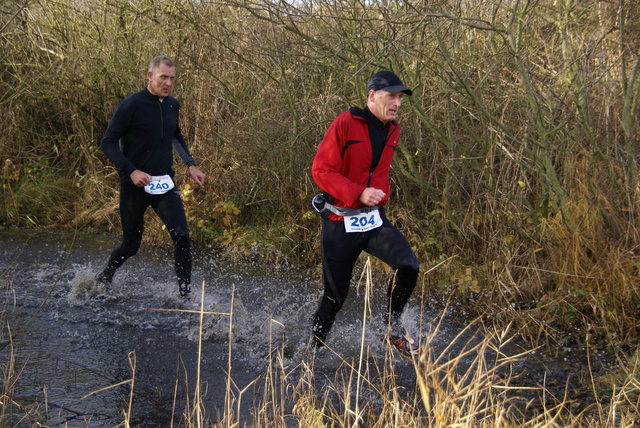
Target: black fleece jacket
(141, 135)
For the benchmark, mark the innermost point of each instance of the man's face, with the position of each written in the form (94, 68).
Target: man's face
(384, 105)
(161, 79)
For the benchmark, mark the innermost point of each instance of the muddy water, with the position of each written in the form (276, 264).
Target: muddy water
(72, 339)
(68, 347)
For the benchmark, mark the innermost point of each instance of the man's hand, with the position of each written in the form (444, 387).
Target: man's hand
(140, 178)
(197, 175)
(371, 196)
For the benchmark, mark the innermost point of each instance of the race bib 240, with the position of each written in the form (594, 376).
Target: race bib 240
(159, 185)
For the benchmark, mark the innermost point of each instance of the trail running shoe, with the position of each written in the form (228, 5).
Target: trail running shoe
(103, 279)
(185, 291)
(316, 341)
(404, 345)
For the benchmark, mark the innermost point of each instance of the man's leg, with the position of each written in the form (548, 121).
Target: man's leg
(170, 209)
(390, 246)
(339, 254)
(133, 205)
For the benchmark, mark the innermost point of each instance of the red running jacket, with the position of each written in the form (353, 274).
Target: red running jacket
(342, 165)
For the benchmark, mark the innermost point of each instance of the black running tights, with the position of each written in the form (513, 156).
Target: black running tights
(134, 202)
(340, 251)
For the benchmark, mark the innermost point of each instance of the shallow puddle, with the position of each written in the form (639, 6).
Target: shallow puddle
(69, 348)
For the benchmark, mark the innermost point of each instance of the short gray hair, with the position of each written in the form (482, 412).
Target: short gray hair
(160, 59)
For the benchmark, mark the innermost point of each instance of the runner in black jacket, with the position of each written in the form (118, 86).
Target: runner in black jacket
(140, 140)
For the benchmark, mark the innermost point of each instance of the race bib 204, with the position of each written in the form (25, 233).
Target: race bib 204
(362, 222)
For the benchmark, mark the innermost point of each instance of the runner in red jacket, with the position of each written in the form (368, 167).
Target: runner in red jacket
(352, 166)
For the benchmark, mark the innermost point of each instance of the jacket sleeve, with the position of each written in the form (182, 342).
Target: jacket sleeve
(182, 151)
(328, 169)
(110, 143)
(180, 146)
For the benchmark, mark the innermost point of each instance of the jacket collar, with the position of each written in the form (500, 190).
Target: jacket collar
(149, 95)
(359, 113)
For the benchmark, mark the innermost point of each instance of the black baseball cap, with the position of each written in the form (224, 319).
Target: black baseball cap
(387, 81)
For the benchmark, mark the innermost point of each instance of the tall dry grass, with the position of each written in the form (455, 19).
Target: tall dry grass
(518, 161)
(475, 380)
